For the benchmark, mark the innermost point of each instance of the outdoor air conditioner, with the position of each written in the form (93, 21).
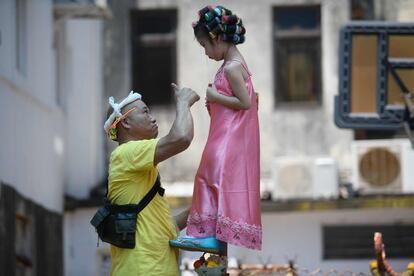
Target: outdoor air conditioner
(304, 177)
(81, 8)
(383, 166)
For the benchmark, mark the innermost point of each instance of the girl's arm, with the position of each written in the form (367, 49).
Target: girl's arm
(241, 100)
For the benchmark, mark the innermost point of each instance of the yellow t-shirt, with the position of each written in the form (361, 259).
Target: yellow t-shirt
(131, 175)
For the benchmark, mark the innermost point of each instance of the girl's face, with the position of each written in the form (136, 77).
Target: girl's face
(213, 49)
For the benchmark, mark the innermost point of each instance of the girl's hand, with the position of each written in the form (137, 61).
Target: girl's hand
(207, 104)
(211, 93)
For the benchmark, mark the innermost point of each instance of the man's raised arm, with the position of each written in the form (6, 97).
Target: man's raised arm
(182, 131)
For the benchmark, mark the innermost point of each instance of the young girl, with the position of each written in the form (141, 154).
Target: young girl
(226, 197)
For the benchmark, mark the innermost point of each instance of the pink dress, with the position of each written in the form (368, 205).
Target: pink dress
(226, 197)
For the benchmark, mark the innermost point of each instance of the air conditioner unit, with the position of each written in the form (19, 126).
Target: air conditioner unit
(81, 8)
(304, 177)
(383, 166)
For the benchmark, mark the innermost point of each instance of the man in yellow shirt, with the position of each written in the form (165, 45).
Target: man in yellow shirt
(132, 173)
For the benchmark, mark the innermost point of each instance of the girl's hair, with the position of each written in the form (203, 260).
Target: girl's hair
(219, 22)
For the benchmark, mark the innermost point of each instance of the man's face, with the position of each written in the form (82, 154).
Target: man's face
(141, 123)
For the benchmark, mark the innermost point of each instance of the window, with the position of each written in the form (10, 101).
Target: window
(297, 48)
(356, 241)
(153, 34)
(364, 10)
(373, 134)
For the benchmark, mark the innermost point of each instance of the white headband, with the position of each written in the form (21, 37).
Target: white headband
(132, 97)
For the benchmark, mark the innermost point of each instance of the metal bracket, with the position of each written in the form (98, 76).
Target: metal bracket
(409, 105)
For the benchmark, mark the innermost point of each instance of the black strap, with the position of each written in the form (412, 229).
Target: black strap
(156, 188)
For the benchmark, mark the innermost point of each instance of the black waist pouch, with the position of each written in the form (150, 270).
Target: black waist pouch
(116, 227)
(116, 224)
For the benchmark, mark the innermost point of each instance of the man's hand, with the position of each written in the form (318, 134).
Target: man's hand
(182, 131)
(181, 219)
(185, 94)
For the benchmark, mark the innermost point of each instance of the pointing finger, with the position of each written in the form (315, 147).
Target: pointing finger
(174, 86)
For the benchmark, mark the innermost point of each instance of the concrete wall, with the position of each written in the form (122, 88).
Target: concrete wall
(82, 256)
(52, 106)
(116, 58)
(31, 148)
(80, 78)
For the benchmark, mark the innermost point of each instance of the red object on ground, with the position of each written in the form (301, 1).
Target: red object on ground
(197, 264)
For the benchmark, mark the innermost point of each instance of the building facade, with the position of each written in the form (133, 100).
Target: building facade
(52, 144)
(59, 64)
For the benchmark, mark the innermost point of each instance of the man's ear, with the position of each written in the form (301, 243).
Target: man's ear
(125, 123)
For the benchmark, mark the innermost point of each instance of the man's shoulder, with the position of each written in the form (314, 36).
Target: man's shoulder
(135, 144)
(141, 149)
